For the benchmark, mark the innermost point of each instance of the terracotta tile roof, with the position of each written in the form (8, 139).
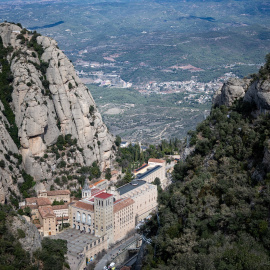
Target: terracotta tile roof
(60, 218)
(46, 211)
(156, 160)
(140, 168)
(103, 195)
(58, 192)
(32, 200)
(86, 206)
(121, 204)
(58, 207)
(97, 183)
(31, 206)
(38, 226)
(43, 201)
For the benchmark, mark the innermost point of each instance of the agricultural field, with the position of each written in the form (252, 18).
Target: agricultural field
(147, 118)
(145, 44)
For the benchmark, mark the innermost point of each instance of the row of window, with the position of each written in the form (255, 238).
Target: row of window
(82, 218)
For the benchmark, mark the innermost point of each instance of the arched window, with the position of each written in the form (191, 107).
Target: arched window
(78, 216)
(74, 226)
(83, 217)
(89, 230)
(89, 219)
(78, 227)
(84, 229)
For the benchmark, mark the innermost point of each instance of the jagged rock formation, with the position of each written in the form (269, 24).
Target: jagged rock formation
(48, 100)
(256, 91)
(259, 92)
(232, 90)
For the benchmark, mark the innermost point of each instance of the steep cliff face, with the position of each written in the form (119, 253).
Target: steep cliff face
(259, 92)
(232, 90)
(256, 91)
(49, 100)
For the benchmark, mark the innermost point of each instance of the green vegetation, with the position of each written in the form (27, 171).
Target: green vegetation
(144, 117)
(27, 184)
(131, 157)
(108, 174)
(21, 233)
(33, 44)
(6, 79)
(90, 171)
(265, 70)
(215, 215)
(58, 202)
(12, 255)
(65, 141)
(53, 254)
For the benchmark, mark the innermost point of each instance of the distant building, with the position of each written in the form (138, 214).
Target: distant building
(114, 213)
(144, 195)
(55, 195)
(109, 215)
(156, 168)
(124, 144)
(47, 218)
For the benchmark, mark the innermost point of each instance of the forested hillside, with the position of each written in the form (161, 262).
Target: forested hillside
(216, 215)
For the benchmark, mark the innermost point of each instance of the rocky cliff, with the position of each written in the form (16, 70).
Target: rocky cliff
(57, 121)
(255, 91)
(232, 90)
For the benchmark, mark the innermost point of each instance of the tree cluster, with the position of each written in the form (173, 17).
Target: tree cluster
(216, 213)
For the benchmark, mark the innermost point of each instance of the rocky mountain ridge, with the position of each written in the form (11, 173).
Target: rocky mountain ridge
(53, 112)
(256, 90)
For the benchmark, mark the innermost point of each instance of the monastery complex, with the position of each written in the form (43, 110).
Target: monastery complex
(105, 212)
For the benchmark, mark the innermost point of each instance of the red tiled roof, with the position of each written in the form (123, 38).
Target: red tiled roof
(103, 195)
(60, 218)
(43, 201)
(121, 204)
(31, 200)
(97, 183)
(31, 206)
(46, 212)
(156, 160)
(86, 206)
(58, 192)
(57, 207)
(142, 167)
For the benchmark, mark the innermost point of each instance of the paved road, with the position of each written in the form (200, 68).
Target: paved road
(112, 253)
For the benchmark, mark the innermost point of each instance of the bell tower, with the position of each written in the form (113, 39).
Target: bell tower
(86, 191)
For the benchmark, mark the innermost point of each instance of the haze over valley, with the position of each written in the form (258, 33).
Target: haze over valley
(151, 47)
